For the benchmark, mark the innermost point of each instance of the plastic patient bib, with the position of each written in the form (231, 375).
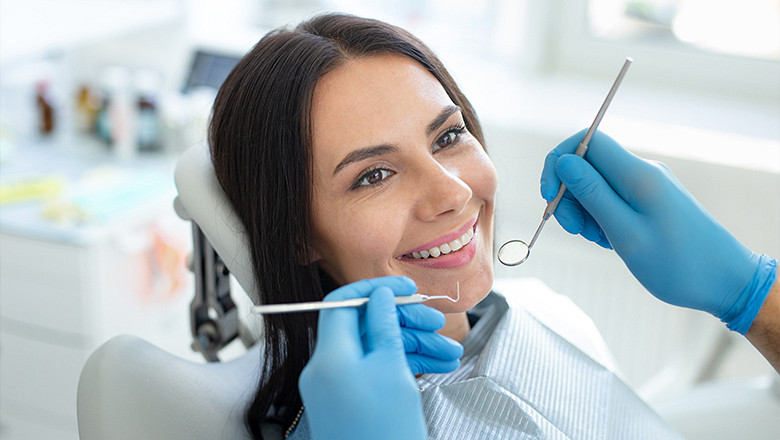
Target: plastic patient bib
(521, 380)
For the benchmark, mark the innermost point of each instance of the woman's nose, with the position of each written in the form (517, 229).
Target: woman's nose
(441, 191)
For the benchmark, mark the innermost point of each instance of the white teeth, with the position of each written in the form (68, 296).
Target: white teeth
(446, 248)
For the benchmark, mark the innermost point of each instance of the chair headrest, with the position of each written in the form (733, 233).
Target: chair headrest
(202, 200)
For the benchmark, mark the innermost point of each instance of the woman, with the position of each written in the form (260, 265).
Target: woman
(349, 153)
(303, 187)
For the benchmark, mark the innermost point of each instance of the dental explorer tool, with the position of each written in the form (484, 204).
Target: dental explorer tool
(416, 298)
(515, 252)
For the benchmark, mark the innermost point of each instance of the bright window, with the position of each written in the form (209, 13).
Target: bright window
(748, 28)
(717, 48)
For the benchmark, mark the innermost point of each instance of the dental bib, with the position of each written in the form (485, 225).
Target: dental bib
(520, 378)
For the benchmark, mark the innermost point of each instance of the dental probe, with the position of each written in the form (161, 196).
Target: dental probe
(515, 252)
(416, 298)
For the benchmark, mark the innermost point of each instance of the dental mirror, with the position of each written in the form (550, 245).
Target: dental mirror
(515, 252)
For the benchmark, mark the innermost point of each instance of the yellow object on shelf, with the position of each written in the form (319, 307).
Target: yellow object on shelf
(60, 211)
(30, 189)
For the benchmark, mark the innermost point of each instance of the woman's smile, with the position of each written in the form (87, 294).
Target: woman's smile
(451, 250)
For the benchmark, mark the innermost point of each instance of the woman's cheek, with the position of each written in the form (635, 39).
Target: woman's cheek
(487, 176)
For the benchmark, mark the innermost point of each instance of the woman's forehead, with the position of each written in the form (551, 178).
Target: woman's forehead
(370, 100)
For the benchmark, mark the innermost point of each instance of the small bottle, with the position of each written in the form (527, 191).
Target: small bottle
(116, 123)
(45, 107)
(102, 128)
(87, 109)
(147, 87)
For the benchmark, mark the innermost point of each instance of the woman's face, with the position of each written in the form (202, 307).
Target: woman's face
(397, 177)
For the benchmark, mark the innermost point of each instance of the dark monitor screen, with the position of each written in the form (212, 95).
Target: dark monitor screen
(209, 69)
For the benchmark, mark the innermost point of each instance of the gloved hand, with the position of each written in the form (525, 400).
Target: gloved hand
(671, 244)
(358, 383)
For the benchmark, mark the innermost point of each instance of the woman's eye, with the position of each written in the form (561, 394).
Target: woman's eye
(373, 177)
(450, 137)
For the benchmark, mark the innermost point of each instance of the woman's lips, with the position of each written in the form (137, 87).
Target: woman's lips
(451, 260)
(446, 238)
(437, 254)
(444, 249)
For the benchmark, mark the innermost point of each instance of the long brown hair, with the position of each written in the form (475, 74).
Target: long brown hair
(260, 138)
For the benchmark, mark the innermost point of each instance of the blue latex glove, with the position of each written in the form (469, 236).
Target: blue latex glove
(358, 383)
(671, 244)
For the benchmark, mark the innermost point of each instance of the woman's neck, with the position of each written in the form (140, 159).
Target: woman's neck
(457, 326)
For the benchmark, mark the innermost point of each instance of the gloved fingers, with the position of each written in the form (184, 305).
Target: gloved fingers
(421, 364)
(382, 329)
(431, 344)
(577, 221)
(340, 329)
(570, 214)
(622, 170)
(421, 317)
(592, 231)
(399, 285)
(550, 182)
(410, 316)
(594, 193)
(618, 166)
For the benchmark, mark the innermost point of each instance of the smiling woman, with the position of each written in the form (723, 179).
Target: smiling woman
(344, 146)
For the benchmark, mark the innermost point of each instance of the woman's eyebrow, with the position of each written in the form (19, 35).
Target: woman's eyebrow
(363, 154)
(369, 152)
(442, 118)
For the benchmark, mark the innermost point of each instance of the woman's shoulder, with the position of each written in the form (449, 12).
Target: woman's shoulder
(558, 312)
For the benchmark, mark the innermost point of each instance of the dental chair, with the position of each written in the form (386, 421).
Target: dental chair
(131, 389)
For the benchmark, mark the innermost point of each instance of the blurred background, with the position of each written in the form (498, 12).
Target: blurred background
(99, 97)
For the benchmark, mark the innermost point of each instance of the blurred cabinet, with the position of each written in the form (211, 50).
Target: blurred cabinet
(65, 291)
